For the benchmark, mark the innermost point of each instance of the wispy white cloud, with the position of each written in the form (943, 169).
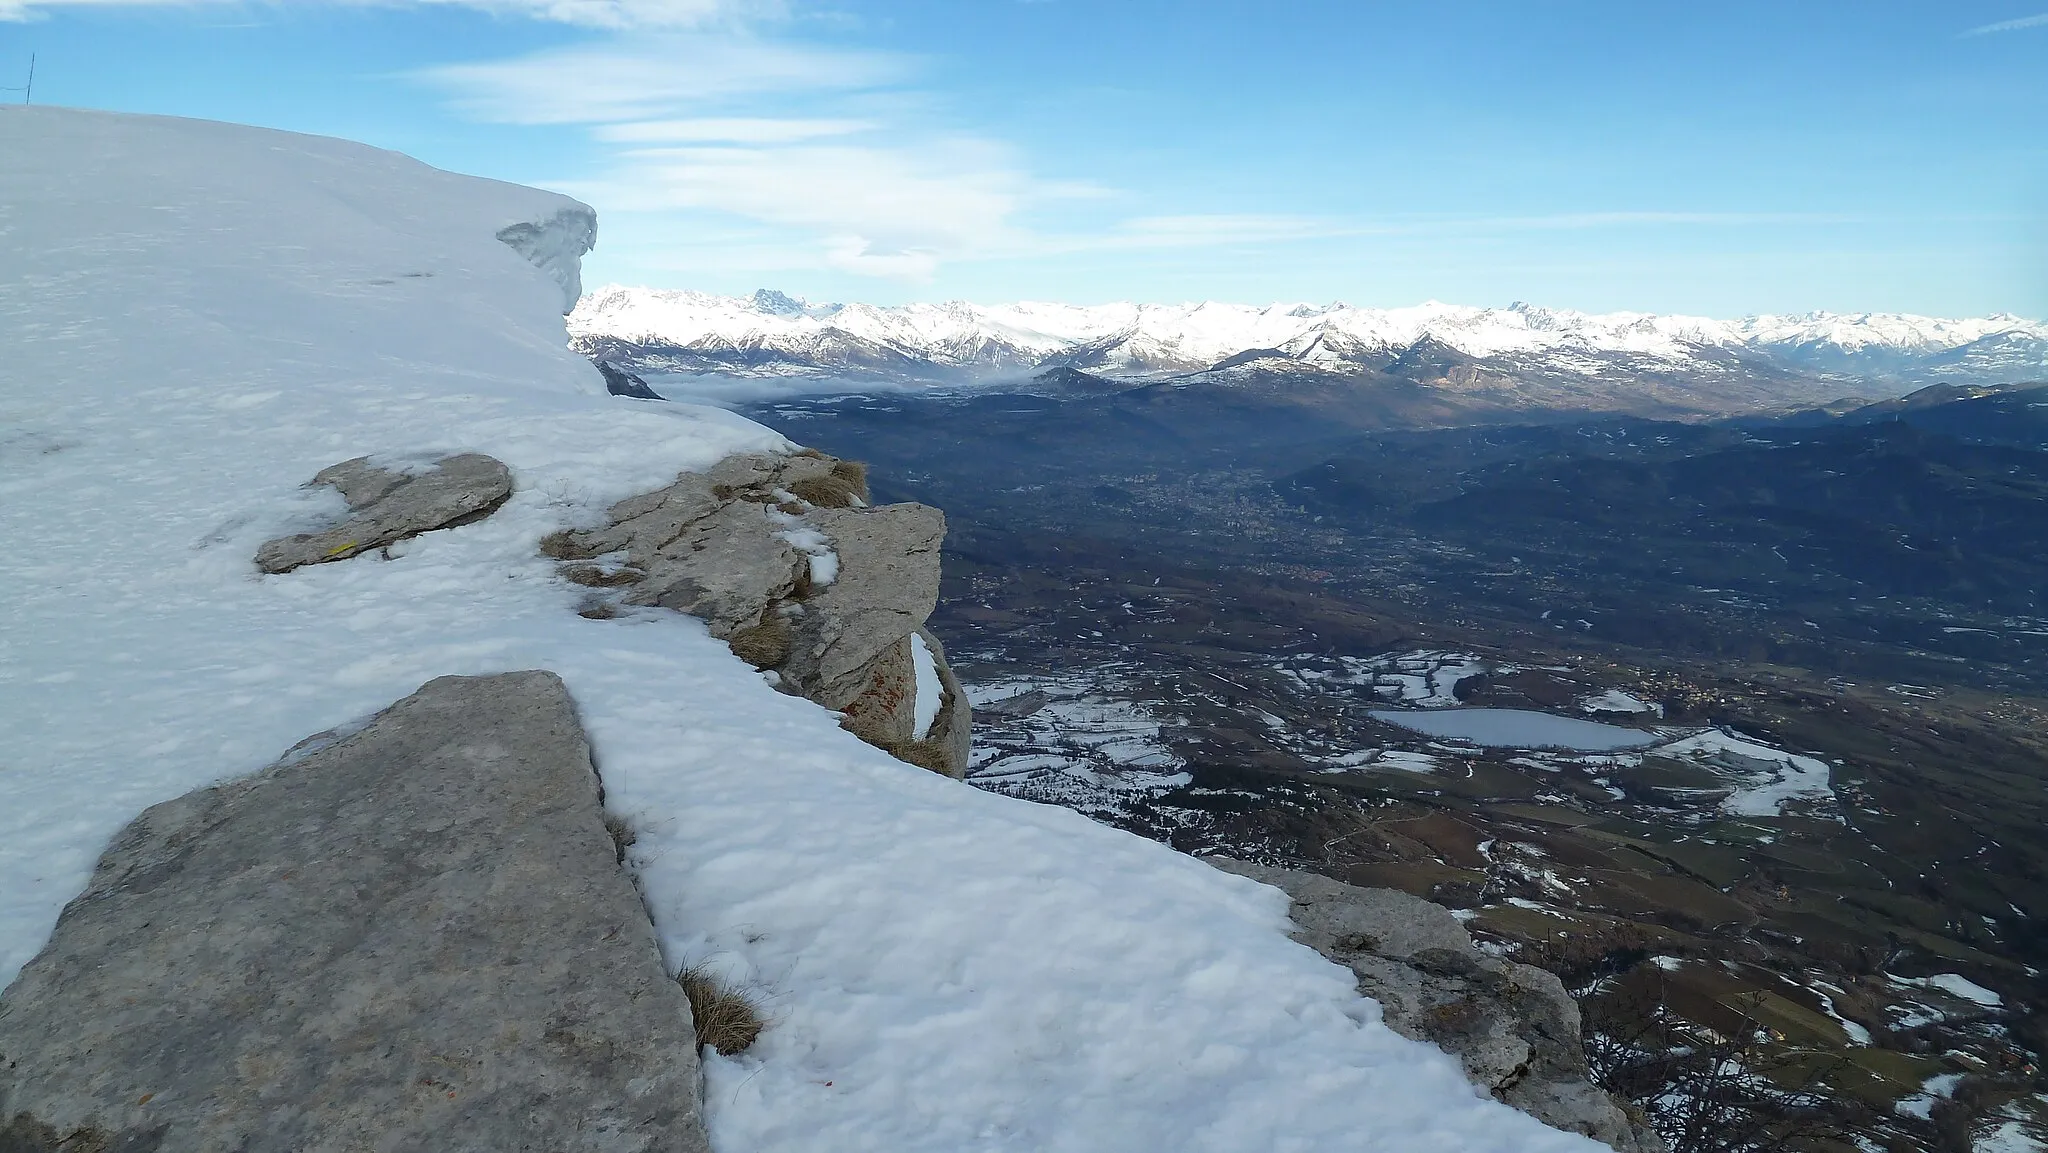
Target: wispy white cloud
(875, 207)
(2040, 21)
(1219, 228)
(829, 152)
(616, 14)
(729, 130)
(1625, 219)
(711, 128)
(662, 77)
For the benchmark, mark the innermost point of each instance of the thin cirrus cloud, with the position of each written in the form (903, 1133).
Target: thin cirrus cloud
(710, 127)
(2023, 22)
(729, 130)
(614, 14)
(873, 209)
(666, 77)
(827, 158)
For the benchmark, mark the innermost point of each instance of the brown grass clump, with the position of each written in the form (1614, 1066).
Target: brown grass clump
(925, 754)
(622, 834)
(765, 645)
(726, 1018)
(598, 577)
(826, 491)
(563, 545)
(854, 473)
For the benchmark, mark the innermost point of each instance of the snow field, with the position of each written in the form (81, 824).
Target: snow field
(197, 317)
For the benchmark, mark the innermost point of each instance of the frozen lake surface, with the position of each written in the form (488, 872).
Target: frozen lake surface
(1517, 729)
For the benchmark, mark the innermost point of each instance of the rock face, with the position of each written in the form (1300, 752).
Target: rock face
(783, 558)
(388, 505)
(417, 936)
(1512, 1026)
(619, 382)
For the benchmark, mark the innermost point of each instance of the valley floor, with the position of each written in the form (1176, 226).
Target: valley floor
(1812, 849)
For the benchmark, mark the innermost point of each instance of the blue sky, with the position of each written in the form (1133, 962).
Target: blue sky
(1719, 158)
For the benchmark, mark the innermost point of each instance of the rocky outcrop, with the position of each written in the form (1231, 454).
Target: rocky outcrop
(416, 936)
(387, 505)
(784, 559)
(1512, 1026)
(619, 382)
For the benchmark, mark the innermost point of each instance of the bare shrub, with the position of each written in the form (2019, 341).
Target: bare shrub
(1708, 1091)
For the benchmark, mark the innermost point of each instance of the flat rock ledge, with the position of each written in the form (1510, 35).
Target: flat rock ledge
(387, 505)
(785, 559)
(1513, 1026)
(415, 936)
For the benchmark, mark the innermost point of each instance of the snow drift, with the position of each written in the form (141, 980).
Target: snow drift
(196, 316)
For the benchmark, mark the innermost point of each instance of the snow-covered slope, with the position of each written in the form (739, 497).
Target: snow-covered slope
(195, 317)
(771, 334)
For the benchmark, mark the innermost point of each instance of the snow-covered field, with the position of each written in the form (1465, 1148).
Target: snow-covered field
(196, 317)
(1074, 740)
(1424, 678)
(1765, 778)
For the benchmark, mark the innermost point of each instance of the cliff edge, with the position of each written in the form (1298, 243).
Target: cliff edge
(197, 317)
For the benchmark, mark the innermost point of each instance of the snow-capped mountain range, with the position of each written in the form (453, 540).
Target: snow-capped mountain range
(771, 334)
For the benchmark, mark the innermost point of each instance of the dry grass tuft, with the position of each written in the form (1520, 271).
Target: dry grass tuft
(598, 577)
(832, 491)
(854, 473)
(726, 1018)
(765, 645)
(622, 834)
(563, 545)
(925, 754)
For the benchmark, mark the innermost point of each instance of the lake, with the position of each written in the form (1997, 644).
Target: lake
(1517, 729)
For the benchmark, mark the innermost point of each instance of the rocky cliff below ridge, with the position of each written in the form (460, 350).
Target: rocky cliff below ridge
(781, 555)
(787, 561)
(322, 950)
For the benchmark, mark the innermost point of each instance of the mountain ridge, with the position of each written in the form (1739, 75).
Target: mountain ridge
(771, 334)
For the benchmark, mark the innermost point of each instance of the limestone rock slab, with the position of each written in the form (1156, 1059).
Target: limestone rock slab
(783, 557)
(1513, 1027)
(388, 505)
(414, 937)
(887, 587)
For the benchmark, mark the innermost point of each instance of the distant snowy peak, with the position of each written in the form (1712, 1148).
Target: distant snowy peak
(770, 333)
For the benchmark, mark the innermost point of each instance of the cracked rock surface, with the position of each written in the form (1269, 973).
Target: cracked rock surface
(388, 505)
(414, 936)
(1513, 1026)
(784, 558)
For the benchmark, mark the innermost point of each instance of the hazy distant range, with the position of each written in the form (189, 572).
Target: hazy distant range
(1513, 358)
